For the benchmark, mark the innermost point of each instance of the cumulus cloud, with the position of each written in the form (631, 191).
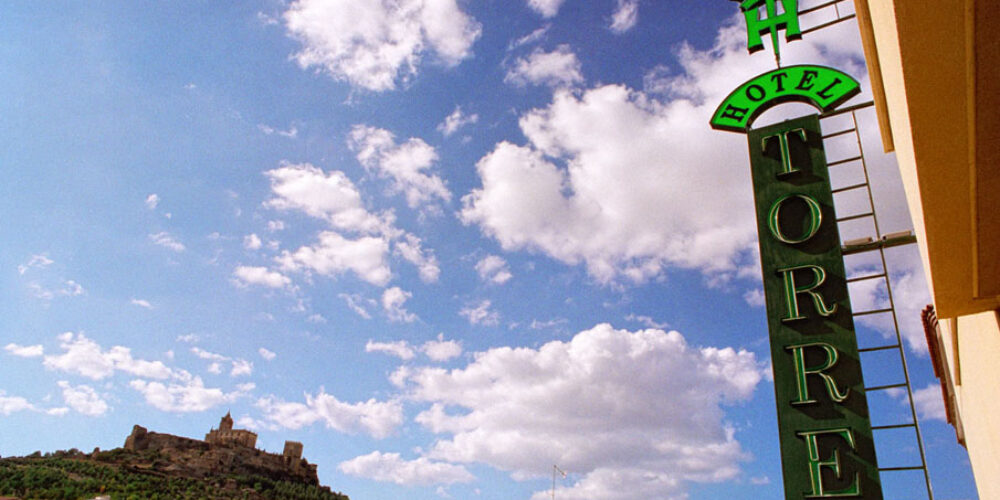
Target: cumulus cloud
(83, 399)
(636, 414)
(493, 269)
(36, 261)
(390, 467)
(392, 303)
(441, 349)
(187, 395)
(257, 275)
(609, 176)
(152, 201)
(547, 8)
(25, 351)
(559, 68)
(85, 357)
(929, 403)
(325, 195)
(13, 404)
(436, 350)
(357, 304)
(400, 349)
(252, 242)
(141, 303)
(456, 120)
(481, 314)
(266, 354)
(239, 366)
(165, 240)
(291, 133)
(377, 44)
(626, 16)
(406, 164)
(359, 241)
(334, 254)
(376, 418)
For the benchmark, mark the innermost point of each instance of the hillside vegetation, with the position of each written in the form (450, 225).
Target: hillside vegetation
(124, 474)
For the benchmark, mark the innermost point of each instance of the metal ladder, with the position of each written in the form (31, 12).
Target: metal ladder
(878, 244)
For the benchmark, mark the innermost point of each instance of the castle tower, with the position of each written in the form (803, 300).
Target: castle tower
(226, 424)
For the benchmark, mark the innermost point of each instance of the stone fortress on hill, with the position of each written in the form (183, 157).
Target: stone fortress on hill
(225, 450)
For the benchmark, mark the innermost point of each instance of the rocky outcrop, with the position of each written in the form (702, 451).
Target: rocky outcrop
(199, 459)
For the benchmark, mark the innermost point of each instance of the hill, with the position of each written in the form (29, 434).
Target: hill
(146, 474)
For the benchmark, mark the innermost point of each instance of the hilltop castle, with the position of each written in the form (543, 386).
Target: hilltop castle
(226, 449)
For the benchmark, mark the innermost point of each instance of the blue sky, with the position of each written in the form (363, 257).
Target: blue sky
(444, 245)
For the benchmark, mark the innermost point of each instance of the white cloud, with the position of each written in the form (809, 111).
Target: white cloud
(266, 354)
(329, 196)
(609, 175)
(530, 38)
(646, 321)
(375, 44)
(291, 133)
(13, 404)
(754, 297)
(84, 399)
(559, 68)
(389, 467)
(25, 351)
(189, 338)
(376, 418)
(547, 8)
(481, 314)
(929, 403)
(152, 201)
(186, 396)
(275, 225)
(406, 164)
(456, 120)
(316, 319)
(241, 367)
(626, 16)
(334, 254)
(410, 248)
(68, 288)
(635, 414)
(257, 275)
(165, 240)
(400, 348)
(354, 302)
(141, 303)
(85, 357)
(252, 242)
(333, 198)
(392, 303)
(36, 261)
(493, 269)
(441, 349)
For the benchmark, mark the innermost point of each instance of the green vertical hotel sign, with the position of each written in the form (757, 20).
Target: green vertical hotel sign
(825, 433)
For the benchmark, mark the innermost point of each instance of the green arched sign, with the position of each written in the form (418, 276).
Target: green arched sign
(821, 86)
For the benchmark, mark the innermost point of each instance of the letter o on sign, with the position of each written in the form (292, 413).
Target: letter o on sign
(815, 219)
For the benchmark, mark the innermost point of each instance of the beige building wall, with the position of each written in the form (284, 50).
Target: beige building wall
(935, 71)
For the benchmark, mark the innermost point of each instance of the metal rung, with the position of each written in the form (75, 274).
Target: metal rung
(873, 311)
(848, 188)
(895, 426)
(890, 469)
(884, 387)
(846, 109)
(831, 23)
(864, 278)
(879, 348)
(842, 132)
(852, 217)
(820, 6)
(845, 160)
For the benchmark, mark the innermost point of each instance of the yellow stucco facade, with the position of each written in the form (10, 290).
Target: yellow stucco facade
(935, 71)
